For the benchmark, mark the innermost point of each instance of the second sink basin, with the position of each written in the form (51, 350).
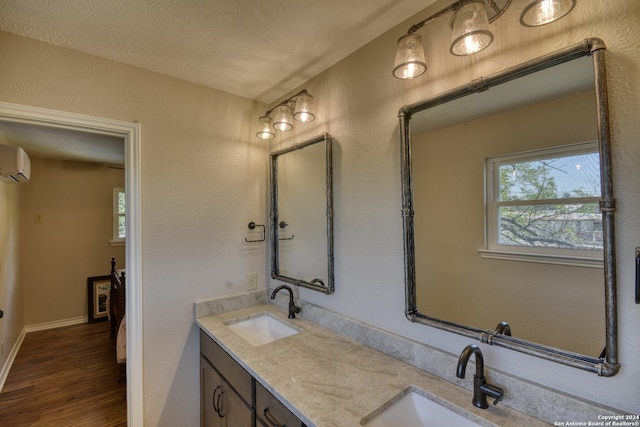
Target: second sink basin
(412, 408)
(261, 328)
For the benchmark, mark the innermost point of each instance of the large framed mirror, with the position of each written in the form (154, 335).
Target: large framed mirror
(301, 200)
(508, 210)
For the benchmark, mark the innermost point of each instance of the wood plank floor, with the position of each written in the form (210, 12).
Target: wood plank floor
(65, 377)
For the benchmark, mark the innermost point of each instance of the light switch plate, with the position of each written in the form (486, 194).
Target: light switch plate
(252, 281)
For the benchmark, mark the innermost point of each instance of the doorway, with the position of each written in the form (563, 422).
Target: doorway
(130, 132)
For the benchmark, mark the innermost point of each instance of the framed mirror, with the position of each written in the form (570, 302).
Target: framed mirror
(301, 200)
(508, 210)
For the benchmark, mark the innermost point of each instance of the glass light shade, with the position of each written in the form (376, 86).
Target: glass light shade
(282, 119)
(540, 12)
(470, 29)
(303, 108)
(266, 130)
(409, 61)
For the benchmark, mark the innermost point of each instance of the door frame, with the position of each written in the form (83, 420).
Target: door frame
(130, 132)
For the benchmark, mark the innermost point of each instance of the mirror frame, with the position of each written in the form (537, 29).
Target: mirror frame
(608, 366)
(328, 287)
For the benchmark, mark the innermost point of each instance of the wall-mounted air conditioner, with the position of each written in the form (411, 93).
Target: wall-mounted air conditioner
(15, 165)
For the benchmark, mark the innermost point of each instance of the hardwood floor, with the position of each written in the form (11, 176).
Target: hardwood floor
(65, 377)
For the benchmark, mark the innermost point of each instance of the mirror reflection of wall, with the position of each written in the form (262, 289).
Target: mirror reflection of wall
(301, 202)
(553, 304)
(302, 206)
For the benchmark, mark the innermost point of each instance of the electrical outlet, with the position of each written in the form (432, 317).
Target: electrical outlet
(37, 218)
(252, 281)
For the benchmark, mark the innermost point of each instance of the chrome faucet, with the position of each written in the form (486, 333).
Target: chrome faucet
(293, 309)
(481, 389)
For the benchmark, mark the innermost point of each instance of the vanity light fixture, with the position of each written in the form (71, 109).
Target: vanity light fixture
(541, 12)
(283, 120)
(296, 107)
(470, 29)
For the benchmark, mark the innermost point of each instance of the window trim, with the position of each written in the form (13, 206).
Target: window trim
(494, 250)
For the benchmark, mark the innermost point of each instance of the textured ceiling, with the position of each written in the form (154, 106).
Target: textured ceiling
(259, 49)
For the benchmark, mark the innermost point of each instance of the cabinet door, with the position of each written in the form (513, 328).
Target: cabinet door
(209, 387)
(220, 405)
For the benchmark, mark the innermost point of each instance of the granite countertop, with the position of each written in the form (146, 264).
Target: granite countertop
(328, 380)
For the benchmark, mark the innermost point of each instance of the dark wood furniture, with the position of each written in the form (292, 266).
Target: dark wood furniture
(116, 299)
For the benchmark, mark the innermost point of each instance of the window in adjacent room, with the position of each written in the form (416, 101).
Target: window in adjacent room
(545, 204)
(119, 222)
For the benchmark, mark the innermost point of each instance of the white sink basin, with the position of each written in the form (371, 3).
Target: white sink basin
(412, 408)
(261, 328)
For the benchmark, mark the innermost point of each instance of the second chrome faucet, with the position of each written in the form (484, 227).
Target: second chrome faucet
(481, 389)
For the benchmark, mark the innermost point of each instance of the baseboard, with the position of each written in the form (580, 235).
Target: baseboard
(12, 356)
(56, 324)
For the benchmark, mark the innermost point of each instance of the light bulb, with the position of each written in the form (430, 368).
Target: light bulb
(282, 118)
(409, 60)
(303, 108)
(266, 132)
(470, 29)
(541, 12)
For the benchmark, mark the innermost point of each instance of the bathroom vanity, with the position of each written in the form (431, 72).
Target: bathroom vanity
(316, 377)
(230, 396)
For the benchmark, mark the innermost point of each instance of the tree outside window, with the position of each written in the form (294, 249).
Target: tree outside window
(546, 199)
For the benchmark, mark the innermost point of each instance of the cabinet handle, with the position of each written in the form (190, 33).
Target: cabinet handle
(271, 419)
(219, 411)
(216, 402)
(213, 399)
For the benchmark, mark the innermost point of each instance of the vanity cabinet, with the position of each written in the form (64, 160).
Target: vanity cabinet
(226, 389)
(231, 397)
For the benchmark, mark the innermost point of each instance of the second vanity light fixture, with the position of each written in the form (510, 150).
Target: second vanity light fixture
(470, 29)
(297, 107)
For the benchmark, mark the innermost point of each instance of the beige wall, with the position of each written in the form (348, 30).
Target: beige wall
(204, 179)
(74, 201)
(302, 204)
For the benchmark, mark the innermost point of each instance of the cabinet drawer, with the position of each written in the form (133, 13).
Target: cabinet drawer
(277, 414)
(235, 374)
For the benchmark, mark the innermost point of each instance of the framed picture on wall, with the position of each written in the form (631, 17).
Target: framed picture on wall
(98, 289)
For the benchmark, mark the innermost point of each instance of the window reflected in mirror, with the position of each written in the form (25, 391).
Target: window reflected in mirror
(545, 201)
